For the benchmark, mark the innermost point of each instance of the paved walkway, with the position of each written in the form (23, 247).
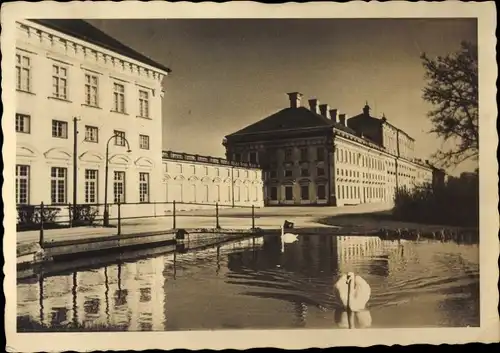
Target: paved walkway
(234, 218)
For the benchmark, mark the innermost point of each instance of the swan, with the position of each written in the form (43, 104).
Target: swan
(353, 291)
(351, 320)
(287, 237)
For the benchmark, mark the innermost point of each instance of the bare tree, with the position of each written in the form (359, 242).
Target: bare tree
(452, 87)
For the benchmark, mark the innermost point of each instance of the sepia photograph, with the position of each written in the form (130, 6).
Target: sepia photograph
(253, 173)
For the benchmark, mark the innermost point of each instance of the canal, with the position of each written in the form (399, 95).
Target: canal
(259, 283)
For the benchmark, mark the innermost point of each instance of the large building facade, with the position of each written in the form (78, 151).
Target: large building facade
(79, 90)
(317, 156)
(194, 180)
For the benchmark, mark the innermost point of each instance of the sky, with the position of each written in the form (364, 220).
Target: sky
(230, 73)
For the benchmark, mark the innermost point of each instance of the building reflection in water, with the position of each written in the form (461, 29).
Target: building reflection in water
(297, 278)
(83, 299)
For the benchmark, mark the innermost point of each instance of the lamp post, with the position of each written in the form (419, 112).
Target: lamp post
(106, 212)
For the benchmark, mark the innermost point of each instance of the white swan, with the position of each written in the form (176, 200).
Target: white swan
(287, 237)
(353, 291)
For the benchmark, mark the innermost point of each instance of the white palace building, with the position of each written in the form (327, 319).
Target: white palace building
(81, 93)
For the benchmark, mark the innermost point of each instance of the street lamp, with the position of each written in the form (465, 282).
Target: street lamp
(106, 212)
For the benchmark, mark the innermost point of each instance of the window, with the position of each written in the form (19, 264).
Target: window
(58, 177)
(304, 192)
(91, 179)
(91, 91)
(91, 133)
(320, 154)
(23, 73)
(119, 138)
(274, 193)
(193, 169)
(119, 187)
(236, 193)
(144, 142)
(22, 184)
(59, 129)
(193, 193)
(321, 192)
(320, 171)
(143, 104)
(217, 172)
(206, 193)
(59, 82)
(303, 154)
(304, 172)
(143, 187)
(252, 157)
(206, 170)
(237, 157)
(288, 193)
(288, 155)
(217, 193)
(23, 123)
(119, 97)
(273, 174)
(288, 173)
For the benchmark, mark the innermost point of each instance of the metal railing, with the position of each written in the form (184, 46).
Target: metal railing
(43, 217)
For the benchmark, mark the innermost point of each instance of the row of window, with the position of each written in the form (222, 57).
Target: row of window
(252, 157)
(59, 185)
(350, 157)
(179, 169)
(354, 192)
(304, 192)
(304, 172)
(60, 130)
(178, 191)
(60, 79)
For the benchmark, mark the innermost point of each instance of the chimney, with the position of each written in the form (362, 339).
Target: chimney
(294, 99)
(314, 105)
(366, 109)
(325, 110)
(342, 119)
(333, 115)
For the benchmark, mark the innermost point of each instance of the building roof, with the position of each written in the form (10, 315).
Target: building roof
(366, 117)
(291, 119)
(85, 31)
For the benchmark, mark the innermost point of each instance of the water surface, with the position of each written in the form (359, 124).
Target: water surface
(262, 283)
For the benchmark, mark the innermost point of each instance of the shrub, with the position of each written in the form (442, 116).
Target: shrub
(454, 203)
(83, 214)
(29, 216)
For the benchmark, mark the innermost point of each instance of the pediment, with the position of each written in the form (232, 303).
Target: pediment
(58, 153)
(119, 159)
(166, 177)
(206, 180)
(305, 181)
(217, 180)
(289, 182)
(26, 151)
(193, 178)
(227, 180)
(180, 177)
(237, 181)
(144, 162)
(91, 156)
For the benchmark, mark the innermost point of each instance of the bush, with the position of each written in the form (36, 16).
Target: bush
(29, 216)
(454, 203)
(83, 215)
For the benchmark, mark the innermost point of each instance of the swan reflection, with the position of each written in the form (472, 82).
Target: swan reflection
(349, 319)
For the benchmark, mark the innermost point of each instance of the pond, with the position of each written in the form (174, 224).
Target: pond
(261, 283)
